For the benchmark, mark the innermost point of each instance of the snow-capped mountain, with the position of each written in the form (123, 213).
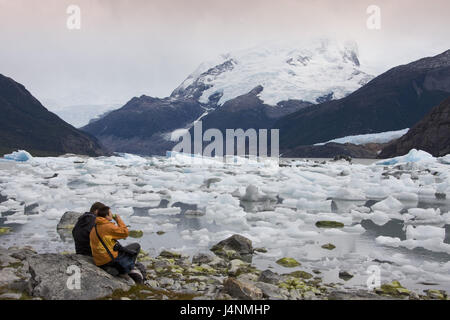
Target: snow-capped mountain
(314, 71)
(250, 88)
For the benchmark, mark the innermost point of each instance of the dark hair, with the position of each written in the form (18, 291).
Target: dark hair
(103, 211)
(96, 206)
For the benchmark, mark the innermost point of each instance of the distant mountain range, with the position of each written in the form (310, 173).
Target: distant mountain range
(247, 89)
(142, 125)
(26, 124)
(395, 100)
(312, 93)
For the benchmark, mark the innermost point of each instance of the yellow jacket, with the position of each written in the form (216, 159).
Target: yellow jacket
(110, 233)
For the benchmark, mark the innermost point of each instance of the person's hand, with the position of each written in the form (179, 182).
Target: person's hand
(115, 216)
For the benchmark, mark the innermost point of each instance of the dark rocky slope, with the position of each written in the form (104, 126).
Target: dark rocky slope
(142, 125)
(249, 111)
(431, 134)
(394, 100)
(26, 124)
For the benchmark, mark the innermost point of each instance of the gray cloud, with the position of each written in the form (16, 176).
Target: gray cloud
(128, 48)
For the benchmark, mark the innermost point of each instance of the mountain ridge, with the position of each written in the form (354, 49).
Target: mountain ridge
(27, 124)
(431, 134)
(395, 100)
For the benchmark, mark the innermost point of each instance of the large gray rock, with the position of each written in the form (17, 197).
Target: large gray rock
(268, 276)
(234, 247)
(68, 220)
(201, 258)
(242, 290)
(66, 224)
(14, 273)
(52, 274)
(270, 291)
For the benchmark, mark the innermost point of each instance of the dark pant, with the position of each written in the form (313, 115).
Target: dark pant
(131, 251)
(127, 254)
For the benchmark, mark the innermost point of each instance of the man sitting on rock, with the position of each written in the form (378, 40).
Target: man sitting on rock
(83, 228)
(107, 252)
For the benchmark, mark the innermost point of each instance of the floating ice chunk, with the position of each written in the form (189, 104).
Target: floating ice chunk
(445, 159)
(148, 197)
(252, 194)
(348, 193)
(379, 218)
(407, 196)
(390, 204)
(388, 241)
(20, 156)
(429, 214)
(128, 211)
(356, 229)
(433, 244)
(425, 232)
(165, 211)
(290, 203)
(413, 156)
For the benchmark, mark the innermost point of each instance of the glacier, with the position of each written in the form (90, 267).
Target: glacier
(382, 137)
(308, 70)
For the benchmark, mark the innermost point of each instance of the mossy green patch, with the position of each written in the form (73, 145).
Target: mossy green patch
(394, 289)
(288, 262)
(67, 227)
(170, 254)
(143, 256)
(329, 224)
(203, 269)
(436, 294)
(4, 230)
(15, 265)
(301, 274)
(329, 246)
(135, 234)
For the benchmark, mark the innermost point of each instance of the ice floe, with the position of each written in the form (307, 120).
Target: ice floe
(390, 210)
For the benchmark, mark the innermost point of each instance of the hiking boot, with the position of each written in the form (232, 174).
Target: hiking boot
(142, 269)
(136, 275)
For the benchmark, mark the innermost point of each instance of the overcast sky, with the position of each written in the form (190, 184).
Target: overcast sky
(134, 47)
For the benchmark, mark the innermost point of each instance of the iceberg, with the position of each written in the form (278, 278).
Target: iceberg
(20, 156)
(445, 159)
(413, 156)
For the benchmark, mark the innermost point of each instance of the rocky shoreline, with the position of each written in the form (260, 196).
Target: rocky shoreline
(225, 274)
